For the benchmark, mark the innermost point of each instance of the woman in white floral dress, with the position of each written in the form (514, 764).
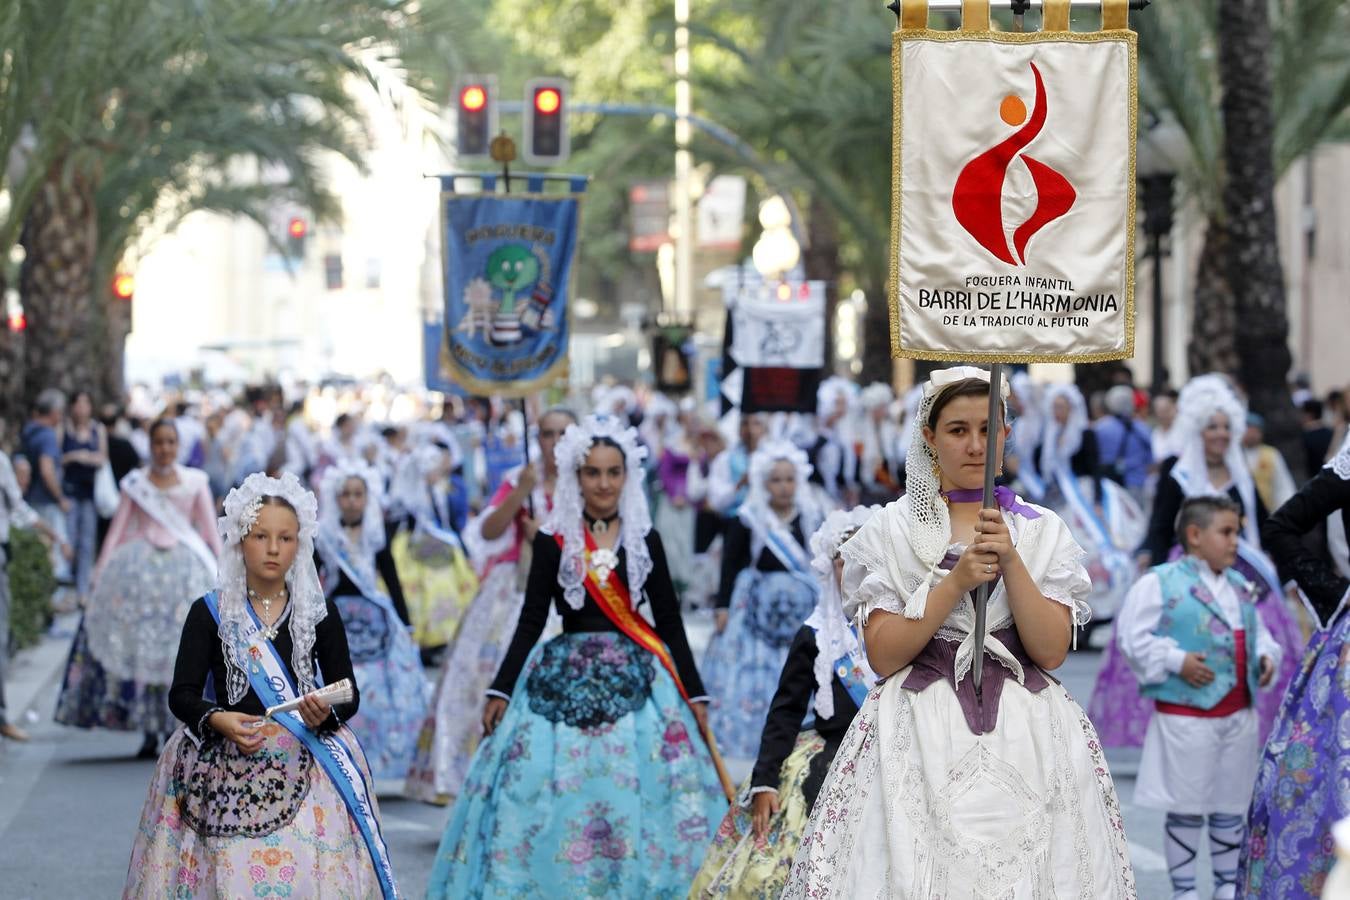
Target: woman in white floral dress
(939, 790)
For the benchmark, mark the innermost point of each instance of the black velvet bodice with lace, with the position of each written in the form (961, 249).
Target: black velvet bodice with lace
(1323, 495)
(542, 590)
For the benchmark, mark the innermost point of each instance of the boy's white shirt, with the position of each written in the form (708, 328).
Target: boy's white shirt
(1154, 657)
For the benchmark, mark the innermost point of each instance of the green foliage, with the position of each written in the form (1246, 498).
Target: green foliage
(31, 585)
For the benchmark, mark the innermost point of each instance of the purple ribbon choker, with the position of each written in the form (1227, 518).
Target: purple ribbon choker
(1002, 494)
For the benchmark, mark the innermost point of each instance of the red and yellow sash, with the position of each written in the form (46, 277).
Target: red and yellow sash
(616, 603)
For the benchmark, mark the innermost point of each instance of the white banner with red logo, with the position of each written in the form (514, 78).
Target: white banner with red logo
(1013, 207)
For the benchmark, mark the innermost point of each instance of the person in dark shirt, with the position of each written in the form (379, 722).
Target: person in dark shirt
(766, 593)
(1298, 795)
(595, 777)
(826, 672)
(1316, 436)
(262, 799)
(353, 557)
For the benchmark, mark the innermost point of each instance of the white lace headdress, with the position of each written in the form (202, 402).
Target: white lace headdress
(834, 637)
(1061, 442)
(755, 512)
(372, 520)
(1340, 463)
(1204, 397)
(567, 515)
(307, 604)
(931, 523)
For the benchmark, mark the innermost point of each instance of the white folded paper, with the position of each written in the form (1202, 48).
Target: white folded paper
(333, 694)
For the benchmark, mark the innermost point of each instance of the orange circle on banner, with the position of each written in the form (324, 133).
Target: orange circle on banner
(1012, 110)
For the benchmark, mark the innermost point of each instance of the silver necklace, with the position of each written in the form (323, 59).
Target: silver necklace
(269, 627)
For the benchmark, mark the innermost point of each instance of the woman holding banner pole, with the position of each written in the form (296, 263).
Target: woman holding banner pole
(598, 775)
(243, 803)
(942, 789)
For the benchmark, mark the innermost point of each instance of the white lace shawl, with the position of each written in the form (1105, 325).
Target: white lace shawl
(883, 570)
(1340, 463)
(307, 603)
(834, 638)
(1200, 401)
(566, 519)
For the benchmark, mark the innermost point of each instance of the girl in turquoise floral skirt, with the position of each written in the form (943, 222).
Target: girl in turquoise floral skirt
(594, 779)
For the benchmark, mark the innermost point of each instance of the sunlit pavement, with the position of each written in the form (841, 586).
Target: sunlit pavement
(70, 800)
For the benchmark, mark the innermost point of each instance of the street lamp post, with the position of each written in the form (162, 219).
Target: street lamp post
(1157, 197)
(1162, 149)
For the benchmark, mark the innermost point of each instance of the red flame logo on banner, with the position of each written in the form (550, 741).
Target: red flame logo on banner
(977, 198)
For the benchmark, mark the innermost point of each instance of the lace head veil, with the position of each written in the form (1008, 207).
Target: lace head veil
(1069, 435)
(566, 518)
(307, 604)
(930, 523)
(372, 521)
(755, 512)
(834, 637)
(1204, 397)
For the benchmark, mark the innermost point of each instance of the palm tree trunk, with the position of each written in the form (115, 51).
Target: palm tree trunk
(67, 336)
(1213, 340)
(821, 262)
(12, 411)
(1261, 320)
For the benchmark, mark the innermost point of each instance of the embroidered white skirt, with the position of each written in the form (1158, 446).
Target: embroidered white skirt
(916, 806)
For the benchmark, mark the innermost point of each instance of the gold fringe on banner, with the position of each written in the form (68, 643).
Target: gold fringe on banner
(974, 15)
(1054, 15)
(913, 15)
(1115, 15)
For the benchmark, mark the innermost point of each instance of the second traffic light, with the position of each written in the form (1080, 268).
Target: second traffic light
(476, 125)
(547, 141)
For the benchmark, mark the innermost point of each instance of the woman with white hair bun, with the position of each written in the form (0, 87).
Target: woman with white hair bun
(353, 559)
(1208, 437)
(766, 593)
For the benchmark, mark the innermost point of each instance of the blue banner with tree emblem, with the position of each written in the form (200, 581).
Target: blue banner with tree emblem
(508, 271)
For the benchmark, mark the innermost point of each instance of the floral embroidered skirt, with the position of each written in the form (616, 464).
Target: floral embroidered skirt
(121, 662)
(1121, 713)
(438, 584)
(453, 726)
(393, 689)
(595, 784)
(742, 664)
(1301, 782)
(916, 806)
(740, 866)
(220, 824)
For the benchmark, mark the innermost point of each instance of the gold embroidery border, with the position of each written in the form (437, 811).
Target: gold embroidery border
(899, 37)
(552, 376)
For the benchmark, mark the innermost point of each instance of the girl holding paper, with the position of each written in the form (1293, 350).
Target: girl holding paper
(595, 778)
(242, 805)
(940, 790)
(159, 554)
(767, 592)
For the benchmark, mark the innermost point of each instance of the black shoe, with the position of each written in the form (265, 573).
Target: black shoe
(149, 747)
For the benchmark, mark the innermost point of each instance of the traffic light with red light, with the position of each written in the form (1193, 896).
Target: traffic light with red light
(547, 141)
(17, 322)
(297, 229)
(124, 286)
(477, 122)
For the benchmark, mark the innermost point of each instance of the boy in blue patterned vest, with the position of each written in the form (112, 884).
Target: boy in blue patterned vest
(1191, 633)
